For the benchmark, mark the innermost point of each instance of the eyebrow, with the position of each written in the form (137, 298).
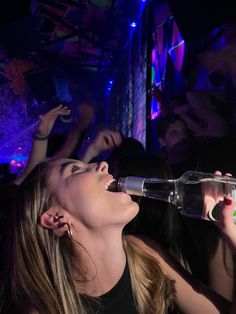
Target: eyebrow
(65, 165)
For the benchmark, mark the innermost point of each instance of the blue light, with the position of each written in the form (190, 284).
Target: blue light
(111, 82)
(133, 24)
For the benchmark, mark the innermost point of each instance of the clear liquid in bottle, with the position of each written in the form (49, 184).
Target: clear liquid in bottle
(195, 194)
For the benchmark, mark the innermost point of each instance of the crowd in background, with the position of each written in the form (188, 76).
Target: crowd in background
(195, 132)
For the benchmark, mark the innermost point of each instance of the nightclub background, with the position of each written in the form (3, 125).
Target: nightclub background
(113, 51)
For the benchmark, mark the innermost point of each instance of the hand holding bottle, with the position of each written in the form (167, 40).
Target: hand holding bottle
(226, 222)
(214, 193)
(225, 217)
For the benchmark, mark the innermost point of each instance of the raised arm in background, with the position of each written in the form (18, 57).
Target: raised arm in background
(84, 118)
(40, 140)
(105, 140)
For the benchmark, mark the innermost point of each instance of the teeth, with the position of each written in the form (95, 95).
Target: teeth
(109, 183)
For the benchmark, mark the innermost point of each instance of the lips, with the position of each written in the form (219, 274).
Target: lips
(111, 185)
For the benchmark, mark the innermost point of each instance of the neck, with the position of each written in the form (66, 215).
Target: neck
(103, 258)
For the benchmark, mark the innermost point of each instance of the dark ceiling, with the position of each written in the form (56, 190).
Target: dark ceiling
(79, 38)
(85, 41)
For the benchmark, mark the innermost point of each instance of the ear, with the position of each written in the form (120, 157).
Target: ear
(162, 142)
(54, 221)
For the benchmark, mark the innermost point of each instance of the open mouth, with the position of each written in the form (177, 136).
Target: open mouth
(112, 186)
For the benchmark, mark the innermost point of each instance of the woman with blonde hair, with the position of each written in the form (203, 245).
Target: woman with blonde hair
(66, 253)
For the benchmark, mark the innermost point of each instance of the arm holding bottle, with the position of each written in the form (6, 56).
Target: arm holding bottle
(228, 229)
(203, 300)
(189, 289)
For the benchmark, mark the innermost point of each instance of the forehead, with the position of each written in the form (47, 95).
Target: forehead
(55, 166)
(59, 162)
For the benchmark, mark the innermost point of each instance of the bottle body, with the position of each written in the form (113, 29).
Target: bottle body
(195, 194)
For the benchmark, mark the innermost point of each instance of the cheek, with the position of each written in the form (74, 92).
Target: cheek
(86, 202)
(175, 139)
(170, 143)
(75, 193)
(170, 140)
(82, 206)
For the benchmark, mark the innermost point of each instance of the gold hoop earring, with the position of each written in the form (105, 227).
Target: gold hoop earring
(69, 231)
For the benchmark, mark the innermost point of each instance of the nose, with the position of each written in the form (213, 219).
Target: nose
(102, 167)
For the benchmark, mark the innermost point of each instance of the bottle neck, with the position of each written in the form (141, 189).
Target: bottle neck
(161, 189)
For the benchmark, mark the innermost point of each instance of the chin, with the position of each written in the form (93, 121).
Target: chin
(132, 212)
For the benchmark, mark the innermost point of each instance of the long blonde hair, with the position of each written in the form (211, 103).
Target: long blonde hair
(40, 265)
(153, 291)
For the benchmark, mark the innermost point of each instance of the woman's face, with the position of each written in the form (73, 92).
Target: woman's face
(82, 191)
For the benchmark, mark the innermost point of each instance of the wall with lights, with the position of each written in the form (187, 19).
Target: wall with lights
(167, 49)
(128, 96)
(157, 39)
(171, 58)
(168, 52)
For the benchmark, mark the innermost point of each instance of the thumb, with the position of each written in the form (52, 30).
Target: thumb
(226, 213)
(226, 222)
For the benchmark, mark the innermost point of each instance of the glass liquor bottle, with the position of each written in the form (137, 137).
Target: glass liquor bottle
(195, 194)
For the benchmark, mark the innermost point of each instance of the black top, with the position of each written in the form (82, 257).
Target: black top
(116, 301)
(119, 300)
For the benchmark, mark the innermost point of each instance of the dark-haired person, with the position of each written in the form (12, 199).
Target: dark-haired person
(176, 143)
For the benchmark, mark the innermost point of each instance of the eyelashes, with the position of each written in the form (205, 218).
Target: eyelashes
(75, 169)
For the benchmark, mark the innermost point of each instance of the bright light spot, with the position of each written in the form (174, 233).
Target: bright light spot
(133, 24)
